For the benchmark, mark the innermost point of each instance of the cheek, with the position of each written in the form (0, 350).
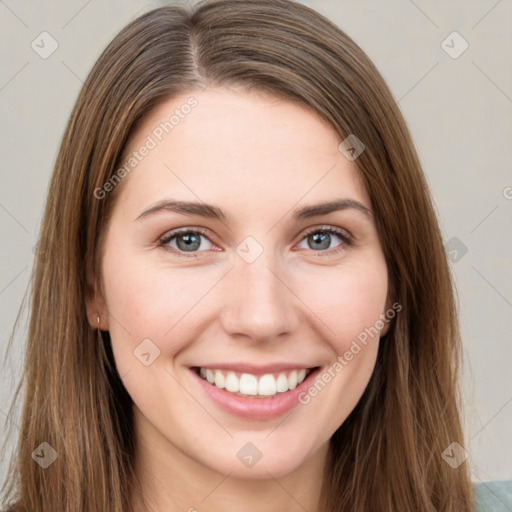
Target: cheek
(348, 305)
(344, 304)
(347, 301)
(148, 302)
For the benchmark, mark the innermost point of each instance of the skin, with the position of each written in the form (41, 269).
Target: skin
(259, 158)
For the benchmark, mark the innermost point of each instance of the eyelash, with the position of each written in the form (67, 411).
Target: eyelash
(346, 239)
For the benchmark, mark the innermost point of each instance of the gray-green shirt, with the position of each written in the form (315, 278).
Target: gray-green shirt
(493, 496)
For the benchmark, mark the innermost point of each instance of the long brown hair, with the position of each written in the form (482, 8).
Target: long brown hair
(387, 455)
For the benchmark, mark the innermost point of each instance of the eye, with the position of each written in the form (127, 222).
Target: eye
(186, 241)
(320, 239)
(192, 241)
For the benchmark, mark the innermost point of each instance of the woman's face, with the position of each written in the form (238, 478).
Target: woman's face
(215, 258)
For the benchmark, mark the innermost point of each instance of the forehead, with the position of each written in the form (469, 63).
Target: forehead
(240, 147)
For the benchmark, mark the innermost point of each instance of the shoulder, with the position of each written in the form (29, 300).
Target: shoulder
(493, 496)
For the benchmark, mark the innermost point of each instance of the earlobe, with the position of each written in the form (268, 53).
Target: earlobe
(94, 301)
(387, 315)
(96, 315)
(386, 321)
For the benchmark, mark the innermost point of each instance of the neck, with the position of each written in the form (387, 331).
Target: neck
(172, 481)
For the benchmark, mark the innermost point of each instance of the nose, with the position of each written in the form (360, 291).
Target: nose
(258, 303)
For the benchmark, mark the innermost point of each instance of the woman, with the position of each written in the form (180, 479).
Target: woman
(241, 298)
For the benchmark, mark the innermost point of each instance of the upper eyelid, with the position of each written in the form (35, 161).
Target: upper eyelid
(334, 229)
(170, 235)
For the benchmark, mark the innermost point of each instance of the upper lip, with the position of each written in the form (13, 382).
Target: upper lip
(255, 369)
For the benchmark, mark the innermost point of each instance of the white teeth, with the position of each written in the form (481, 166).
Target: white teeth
(248, 384)
(219, 380)
(292, 380)
(232, 383)
(267, 385)
(282, 383)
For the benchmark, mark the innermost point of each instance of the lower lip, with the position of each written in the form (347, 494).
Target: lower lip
(255, 408)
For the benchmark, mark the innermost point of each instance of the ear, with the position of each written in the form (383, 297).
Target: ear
(94, 299)
(387, 320)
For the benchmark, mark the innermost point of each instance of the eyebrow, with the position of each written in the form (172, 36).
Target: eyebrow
(332, 206)
(213, 212)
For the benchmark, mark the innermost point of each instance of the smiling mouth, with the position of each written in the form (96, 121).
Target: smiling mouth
(268, 385)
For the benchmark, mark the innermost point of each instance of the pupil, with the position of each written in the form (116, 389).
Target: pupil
(188, 242)
(322, 240)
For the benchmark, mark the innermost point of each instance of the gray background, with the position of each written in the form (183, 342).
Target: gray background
(458, 109)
